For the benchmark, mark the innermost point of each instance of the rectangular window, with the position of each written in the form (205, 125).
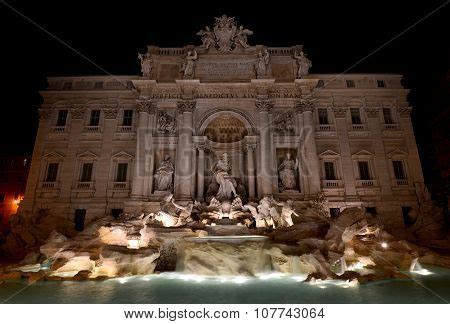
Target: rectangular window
(329, 171)
(2, 197)
(52, 172)
(399, 170)
(95, 118)
(407, 220)
(364, 173)
(350, 83)
(323, 116)
(62, 118)
(86, 172)
(127, 118)
(387, 116)
(121, 175)
(80, 216)
(356, 116)
(371, 210)
(381, 84)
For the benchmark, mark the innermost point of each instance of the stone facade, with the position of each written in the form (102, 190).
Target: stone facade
(104, 138)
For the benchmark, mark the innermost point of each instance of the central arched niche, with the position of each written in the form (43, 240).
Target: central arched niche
(225, 128)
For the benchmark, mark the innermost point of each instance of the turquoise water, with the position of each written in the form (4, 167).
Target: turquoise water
(174, 288)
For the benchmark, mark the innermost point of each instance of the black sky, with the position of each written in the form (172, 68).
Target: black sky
(336, 34)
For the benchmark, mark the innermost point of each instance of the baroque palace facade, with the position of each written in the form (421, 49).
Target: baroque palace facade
(108, 144)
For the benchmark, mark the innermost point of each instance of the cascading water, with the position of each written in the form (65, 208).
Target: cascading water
(417, 268)
(224, 255)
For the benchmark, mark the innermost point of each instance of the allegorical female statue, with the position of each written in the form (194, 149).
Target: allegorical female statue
(304, 64)
(164, 175)
(287, 170)
(146, 64)
(261, 63)
(227, 184)
(189, 64)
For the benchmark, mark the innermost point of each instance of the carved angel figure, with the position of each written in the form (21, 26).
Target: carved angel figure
(241, 36)
(304, 64)
(189, 64)
(146, 64)
(261, 63)
(208, 37)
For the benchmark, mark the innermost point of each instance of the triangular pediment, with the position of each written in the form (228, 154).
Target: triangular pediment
(53, 156)
(362, 153)
(397, 152)
(87, 155)
(122, 155)
(329, 153)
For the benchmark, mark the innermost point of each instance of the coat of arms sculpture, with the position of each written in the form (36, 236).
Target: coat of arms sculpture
(225, 36)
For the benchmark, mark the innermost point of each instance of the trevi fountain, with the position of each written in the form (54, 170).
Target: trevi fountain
(236, 176)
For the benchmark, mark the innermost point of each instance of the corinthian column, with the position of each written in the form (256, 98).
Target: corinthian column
(311, 167)
(200, 171)
(264, 107)
(183, 165)
(144, 150)
(249, 148)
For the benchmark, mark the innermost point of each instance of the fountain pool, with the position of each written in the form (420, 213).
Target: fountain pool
(268, 288)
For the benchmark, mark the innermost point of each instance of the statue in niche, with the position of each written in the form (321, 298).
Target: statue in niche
(287, 170)
(188, 65)
(304, 64)
(208, 38)
(261, 63)
(164, 175)
(241, 36)
(227, 184)
(166, 123)
(146, 64)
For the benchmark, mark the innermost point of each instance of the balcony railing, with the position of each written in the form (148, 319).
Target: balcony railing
(358, 127)
(85, 185)
(92, 129)
(331, 183)
(325, 127)
(401, 182)
(366, 183)
(58, 129)
(124, 129)
(48, 185)
(390, 126)
(120, 185)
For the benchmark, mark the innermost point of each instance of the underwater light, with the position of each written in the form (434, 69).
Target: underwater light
(423, 272)
(133, 244)
(240, 280)
(271, 275)
(384, 245)
(123, 280)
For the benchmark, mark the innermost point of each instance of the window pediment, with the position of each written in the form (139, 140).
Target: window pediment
(53, 156)
(122, 155)
(397, 153)
(329, 154)
(87, 155)
(363, 154)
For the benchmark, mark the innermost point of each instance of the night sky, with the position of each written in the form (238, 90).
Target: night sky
(335, 34)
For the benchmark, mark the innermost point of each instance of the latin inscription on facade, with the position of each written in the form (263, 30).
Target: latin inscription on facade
(225, 69)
